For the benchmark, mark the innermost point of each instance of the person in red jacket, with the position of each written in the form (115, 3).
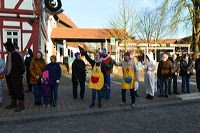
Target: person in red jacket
(109, 65)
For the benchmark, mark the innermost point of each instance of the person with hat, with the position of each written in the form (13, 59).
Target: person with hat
(14, 71)
(98, 76)
(78, 75)
(130, 75)
(54, 70)
(109, 65)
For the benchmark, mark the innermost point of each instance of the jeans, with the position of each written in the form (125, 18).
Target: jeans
(174, 79)
(164, 84)
(108, 90)
(82, 89)
(105, 91)
(198, 82)
(54, 94)
(185, 84)
(158, 84)
(94, 96)
(131, 93)
(37, 92)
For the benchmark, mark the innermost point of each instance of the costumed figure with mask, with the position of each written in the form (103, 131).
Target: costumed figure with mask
(109, 65)
(130, 75)
(149, 76)
(98, 76)
(14, 74)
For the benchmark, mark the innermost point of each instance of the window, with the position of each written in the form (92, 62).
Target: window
(68, 52)
(72, 54)
(61, 51)
(13, 36)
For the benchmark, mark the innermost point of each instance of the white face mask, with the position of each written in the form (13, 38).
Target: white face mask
(186, 58)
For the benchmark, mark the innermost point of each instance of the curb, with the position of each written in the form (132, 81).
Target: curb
(38, 117)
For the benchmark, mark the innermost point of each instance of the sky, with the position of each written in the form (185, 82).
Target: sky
(96, 13)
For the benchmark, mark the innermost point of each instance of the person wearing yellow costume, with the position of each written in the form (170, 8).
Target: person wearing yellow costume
(98, 77)
(130, 75)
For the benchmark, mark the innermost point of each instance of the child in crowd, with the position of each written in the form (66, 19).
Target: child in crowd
(45, 89)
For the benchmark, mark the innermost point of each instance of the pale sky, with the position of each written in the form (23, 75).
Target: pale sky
(96, 13)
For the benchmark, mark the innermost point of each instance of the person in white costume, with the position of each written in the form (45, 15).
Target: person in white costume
(149, 76)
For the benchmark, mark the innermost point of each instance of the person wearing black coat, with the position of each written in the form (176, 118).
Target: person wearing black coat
(14, 74)
(27, 62)
(54, 70)
(186, 70)
(78, 76)
(197, 68)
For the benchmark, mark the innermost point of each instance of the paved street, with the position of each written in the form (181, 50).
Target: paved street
(179, 118)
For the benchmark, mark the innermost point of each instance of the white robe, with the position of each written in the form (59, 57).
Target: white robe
(149, 77)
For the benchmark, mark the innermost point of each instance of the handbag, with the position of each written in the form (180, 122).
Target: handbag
(136, 85)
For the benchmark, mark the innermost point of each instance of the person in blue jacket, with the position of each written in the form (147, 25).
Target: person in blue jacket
(54, 75)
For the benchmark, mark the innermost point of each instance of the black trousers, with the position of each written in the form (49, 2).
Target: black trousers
(174, 79)
(82, 88)
(28, 79)
(132, 93)
(15, 87)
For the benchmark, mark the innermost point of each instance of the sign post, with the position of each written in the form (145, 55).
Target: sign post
(112, 41)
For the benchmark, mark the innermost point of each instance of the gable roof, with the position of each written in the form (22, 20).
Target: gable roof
(62, 17)
(81, 33)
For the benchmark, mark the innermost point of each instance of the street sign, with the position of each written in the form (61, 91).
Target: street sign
(112, 41)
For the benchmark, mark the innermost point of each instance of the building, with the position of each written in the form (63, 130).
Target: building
(19, 23)
(28, 24)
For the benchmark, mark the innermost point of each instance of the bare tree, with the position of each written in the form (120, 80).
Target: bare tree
(187, 12)
(151, 26)
(123, 22)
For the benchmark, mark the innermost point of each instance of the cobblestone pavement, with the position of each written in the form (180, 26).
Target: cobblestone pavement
(178, 118)
(66, 103)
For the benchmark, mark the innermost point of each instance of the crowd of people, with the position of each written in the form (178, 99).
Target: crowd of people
(161, 79)
(43, 79)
